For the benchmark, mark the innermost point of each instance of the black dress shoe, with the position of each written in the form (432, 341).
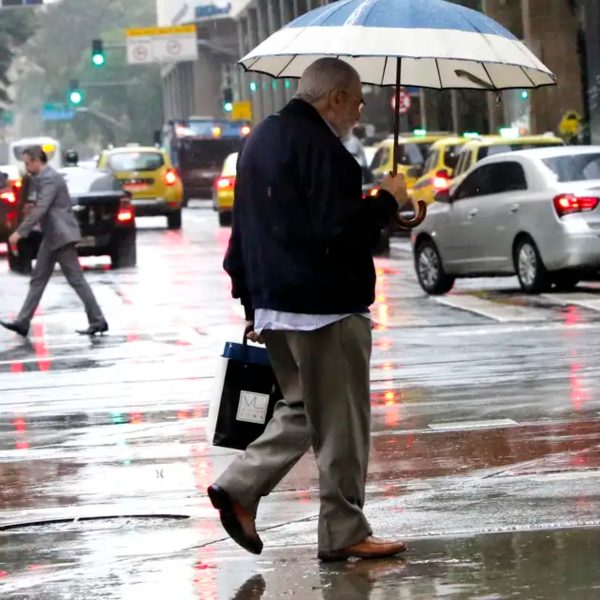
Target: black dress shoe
(94, 329)
(236, 520)
(20, 329)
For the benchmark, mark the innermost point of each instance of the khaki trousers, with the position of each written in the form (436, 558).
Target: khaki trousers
(324, 377)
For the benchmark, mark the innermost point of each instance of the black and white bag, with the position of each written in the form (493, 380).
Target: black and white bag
(245, 397)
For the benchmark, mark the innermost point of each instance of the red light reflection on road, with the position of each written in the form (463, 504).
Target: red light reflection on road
(579, 394)
(40, 348)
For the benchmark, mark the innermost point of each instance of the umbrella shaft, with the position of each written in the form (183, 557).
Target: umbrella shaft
(397, 115)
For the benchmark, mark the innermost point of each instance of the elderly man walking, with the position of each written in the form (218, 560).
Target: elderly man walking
(300, 261)
(53, 210)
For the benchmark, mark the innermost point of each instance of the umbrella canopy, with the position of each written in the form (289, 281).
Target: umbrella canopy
(423, 43)
(440, 45)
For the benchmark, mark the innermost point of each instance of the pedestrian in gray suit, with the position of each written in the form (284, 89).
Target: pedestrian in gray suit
(53, 211)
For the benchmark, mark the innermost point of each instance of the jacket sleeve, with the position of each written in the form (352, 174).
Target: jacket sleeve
(336, 202)
(47, 193)
(234, 263)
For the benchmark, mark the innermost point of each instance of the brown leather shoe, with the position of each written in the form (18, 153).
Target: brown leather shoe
(236, 520)
(370, 547)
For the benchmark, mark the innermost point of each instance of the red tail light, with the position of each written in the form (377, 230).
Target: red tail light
(224, 183)
(171, 177)
(441, 181)
(566, 204)
(16, 184)
(126, 212)
(8, 198)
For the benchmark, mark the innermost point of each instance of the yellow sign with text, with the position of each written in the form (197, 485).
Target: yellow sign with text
(152, 31)
(241, 111)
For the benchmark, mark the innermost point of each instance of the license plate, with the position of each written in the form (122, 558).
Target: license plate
(87, 241)
(136, 187)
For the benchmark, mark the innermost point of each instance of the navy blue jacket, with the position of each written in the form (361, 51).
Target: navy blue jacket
(302, 233)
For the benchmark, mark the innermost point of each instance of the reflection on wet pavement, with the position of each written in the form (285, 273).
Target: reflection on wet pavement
(485, 450)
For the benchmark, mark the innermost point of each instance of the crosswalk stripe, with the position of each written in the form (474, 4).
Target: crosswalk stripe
(461, 425)
(503, 313)
(583, 299)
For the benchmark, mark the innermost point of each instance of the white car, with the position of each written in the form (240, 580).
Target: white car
(535, 213)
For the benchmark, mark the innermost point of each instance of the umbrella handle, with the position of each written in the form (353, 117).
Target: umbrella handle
(420, 214)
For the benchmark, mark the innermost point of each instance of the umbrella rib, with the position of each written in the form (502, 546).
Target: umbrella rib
(384, 70)
(286, 66)
(489, 76)
(526, 75)
(437, 66)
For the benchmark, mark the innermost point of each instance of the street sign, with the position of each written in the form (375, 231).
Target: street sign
(241, 111)
(570, 125)
(161, 44)
(405, 102)
(7, 118)
(56, 112)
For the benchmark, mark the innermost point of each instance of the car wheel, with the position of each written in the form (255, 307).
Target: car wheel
(382, 248)
(532, 273)
(565, 282)
(224, 218)
(430, 270)
(174, 220)
(124, 253)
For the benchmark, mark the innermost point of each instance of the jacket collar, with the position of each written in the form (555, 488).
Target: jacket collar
(303, 108)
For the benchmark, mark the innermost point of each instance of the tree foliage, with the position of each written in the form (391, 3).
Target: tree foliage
(124, 103)
(16, 26)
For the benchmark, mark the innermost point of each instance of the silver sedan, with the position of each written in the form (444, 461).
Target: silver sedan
(534, 213)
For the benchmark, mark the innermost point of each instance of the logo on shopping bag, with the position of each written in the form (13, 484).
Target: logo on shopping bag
(253, 407)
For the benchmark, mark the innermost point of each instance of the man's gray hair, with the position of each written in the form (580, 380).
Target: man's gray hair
(324, 76)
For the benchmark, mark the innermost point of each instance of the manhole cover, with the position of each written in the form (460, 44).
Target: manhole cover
(136, 522)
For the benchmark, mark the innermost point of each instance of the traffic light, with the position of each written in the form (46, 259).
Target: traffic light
(524, 95)
(227, 99)
(75, 94)
(98, 54)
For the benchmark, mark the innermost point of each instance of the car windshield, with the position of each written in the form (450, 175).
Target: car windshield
(486, 151)
(451, 156)
(413, 154)
(136, 161)
(86, 181)
(578, 167)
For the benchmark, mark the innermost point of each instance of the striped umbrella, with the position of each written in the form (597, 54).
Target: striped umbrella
(424, 43)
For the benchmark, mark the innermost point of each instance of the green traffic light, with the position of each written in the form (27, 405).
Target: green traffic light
(76, 97)
(99, 60)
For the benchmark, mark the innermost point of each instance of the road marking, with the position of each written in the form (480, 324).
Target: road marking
(461, 425)
(503, 313)
(583, 299)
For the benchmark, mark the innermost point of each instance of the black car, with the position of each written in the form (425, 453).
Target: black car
(106, 218)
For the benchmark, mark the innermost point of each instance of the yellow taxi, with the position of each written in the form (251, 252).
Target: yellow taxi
(147, 173)
(479, 148)
(413, 152)
(223, 190)
(438, 168)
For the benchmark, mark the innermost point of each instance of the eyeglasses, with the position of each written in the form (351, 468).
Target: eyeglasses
(361, 100)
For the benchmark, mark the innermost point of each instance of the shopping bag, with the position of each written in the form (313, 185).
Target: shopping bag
(245, 395)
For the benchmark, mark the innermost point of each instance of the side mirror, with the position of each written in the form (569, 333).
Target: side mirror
(443, 196)
(157, 137)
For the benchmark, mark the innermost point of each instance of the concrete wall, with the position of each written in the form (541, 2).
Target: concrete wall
(550, 29)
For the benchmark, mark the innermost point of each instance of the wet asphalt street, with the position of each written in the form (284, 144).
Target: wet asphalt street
(485, 453)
